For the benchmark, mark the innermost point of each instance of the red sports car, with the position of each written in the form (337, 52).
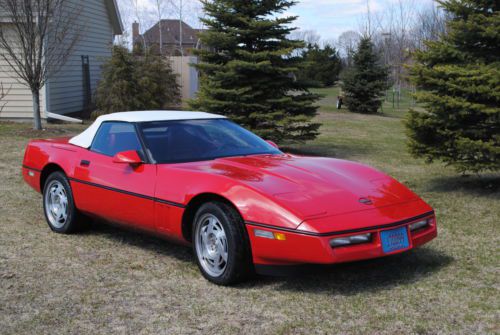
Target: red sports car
(241, 203)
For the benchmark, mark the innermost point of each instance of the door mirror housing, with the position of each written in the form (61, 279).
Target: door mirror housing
(272, 143)
(128, 157)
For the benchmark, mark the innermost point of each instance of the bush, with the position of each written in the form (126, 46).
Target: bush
(321, 65)
(135, 83)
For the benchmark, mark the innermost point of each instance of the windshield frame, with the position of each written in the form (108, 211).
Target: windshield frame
(149, 153)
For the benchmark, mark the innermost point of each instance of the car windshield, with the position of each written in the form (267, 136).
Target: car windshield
(197, 140)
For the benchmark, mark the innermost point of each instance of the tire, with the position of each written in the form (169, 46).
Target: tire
(59, 206)
(220, 244)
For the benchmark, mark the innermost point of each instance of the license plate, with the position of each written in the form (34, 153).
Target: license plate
(394, 239)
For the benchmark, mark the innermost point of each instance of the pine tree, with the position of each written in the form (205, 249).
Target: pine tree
(364, 83)
(248, 72)
(136, 83)
(459, 85)
(321, 65)
(157, 83)
(117, 90)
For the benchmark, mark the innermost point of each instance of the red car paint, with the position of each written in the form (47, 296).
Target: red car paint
(309, 199)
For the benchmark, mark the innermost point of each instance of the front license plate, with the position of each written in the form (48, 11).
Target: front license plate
(394, 239)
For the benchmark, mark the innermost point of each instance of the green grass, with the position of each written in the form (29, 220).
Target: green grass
(108, 280)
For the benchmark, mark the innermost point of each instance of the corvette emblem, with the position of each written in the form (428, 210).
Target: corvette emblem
(365, 201)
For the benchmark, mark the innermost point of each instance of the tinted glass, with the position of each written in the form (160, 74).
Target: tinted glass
(114, 137)
(195, 140)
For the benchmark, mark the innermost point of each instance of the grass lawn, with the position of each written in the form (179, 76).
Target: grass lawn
(111, 280)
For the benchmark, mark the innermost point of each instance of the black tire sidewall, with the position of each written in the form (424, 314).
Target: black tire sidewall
(239, 261)
(71, 222)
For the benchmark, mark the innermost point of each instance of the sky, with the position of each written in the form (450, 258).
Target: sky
(329, 18)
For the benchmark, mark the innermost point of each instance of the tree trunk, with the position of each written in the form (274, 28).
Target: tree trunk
(36, 110)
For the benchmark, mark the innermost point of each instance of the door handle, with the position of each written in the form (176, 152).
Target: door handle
(85, 162)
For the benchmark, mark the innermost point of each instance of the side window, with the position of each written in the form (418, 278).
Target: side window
(114, 137)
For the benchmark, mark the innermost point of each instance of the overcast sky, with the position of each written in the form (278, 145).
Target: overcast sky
(329, 18)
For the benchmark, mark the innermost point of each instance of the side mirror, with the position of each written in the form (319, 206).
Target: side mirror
(273, 144)
(128, 157)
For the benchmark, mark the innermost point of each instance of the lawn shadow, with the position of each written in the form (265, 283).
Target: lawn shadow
(140, 239)
(364, 276)
(328, 150)
(478, 185)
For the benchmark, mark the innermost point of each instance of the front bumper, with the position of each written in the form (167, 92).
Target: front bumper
(302, 247)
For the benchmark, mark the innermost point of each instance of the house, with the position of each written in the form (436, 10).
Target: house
(69, 91)
(178, 37)
(178, 42)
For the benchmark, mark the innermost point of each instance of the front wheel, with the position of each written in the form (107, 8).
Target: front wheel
(220, 244)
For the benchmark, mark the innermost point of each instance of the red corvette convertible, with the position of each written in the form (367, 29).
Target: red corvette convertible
(242, 204)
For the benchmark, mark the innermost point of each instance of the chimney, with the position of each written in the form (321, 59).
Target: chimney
(135, 31)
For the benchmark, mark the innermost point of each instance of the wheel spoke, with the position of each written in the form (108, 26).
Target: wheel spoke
(56, 204)
(222, 252)
(211, 245)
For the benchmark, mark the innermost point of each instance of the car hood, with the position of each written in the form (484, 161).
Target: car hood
(311, 186)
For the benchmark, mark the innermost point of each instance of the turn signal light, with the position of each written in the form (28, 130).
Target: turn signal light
(280, 236)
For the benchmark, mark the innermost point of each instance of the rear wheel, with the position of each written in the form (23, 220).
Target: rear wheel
(221, 244)
(58, 205)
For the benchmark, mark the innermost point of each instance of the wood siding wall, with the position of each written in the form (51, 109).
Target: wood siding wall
(64, 92)
(65, 89)
(18, 103)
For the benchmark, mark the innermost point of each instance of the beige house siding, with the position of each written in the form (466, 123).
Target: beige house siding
(98, 22)
(187, 76)
(18, 102)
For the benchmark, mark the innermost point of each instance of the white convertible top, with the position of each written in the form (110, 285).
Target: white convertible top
(84, 139)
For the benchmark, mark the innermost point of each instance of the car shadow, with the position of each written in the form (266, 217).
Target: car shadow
(345, 279)
(483, 185)
(364, 276)
(140, 239)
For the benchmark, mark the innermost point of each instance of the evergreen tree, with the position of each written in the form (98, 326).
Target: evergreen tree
(117, 90)
(157, 83)
(247, 70)
(322, 65)
(459, 85)
(364, 83)
(136, 83)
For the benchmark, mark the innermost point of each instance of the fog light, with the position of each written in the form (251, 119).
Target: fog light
(419, 224)
(350, 240)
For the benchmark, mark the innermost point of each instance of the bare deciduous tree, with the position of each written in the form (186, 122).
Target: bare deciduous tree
(430, 26)
(3, 94)
(159, 4)
(37, 40)
(347, 44)
(308, 36)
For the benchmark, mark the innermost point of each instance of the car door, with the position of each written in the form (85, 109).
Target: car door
(118, 192)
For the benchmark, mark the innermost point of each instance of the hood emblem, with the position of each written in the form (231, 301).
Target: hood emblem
(365, 201)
